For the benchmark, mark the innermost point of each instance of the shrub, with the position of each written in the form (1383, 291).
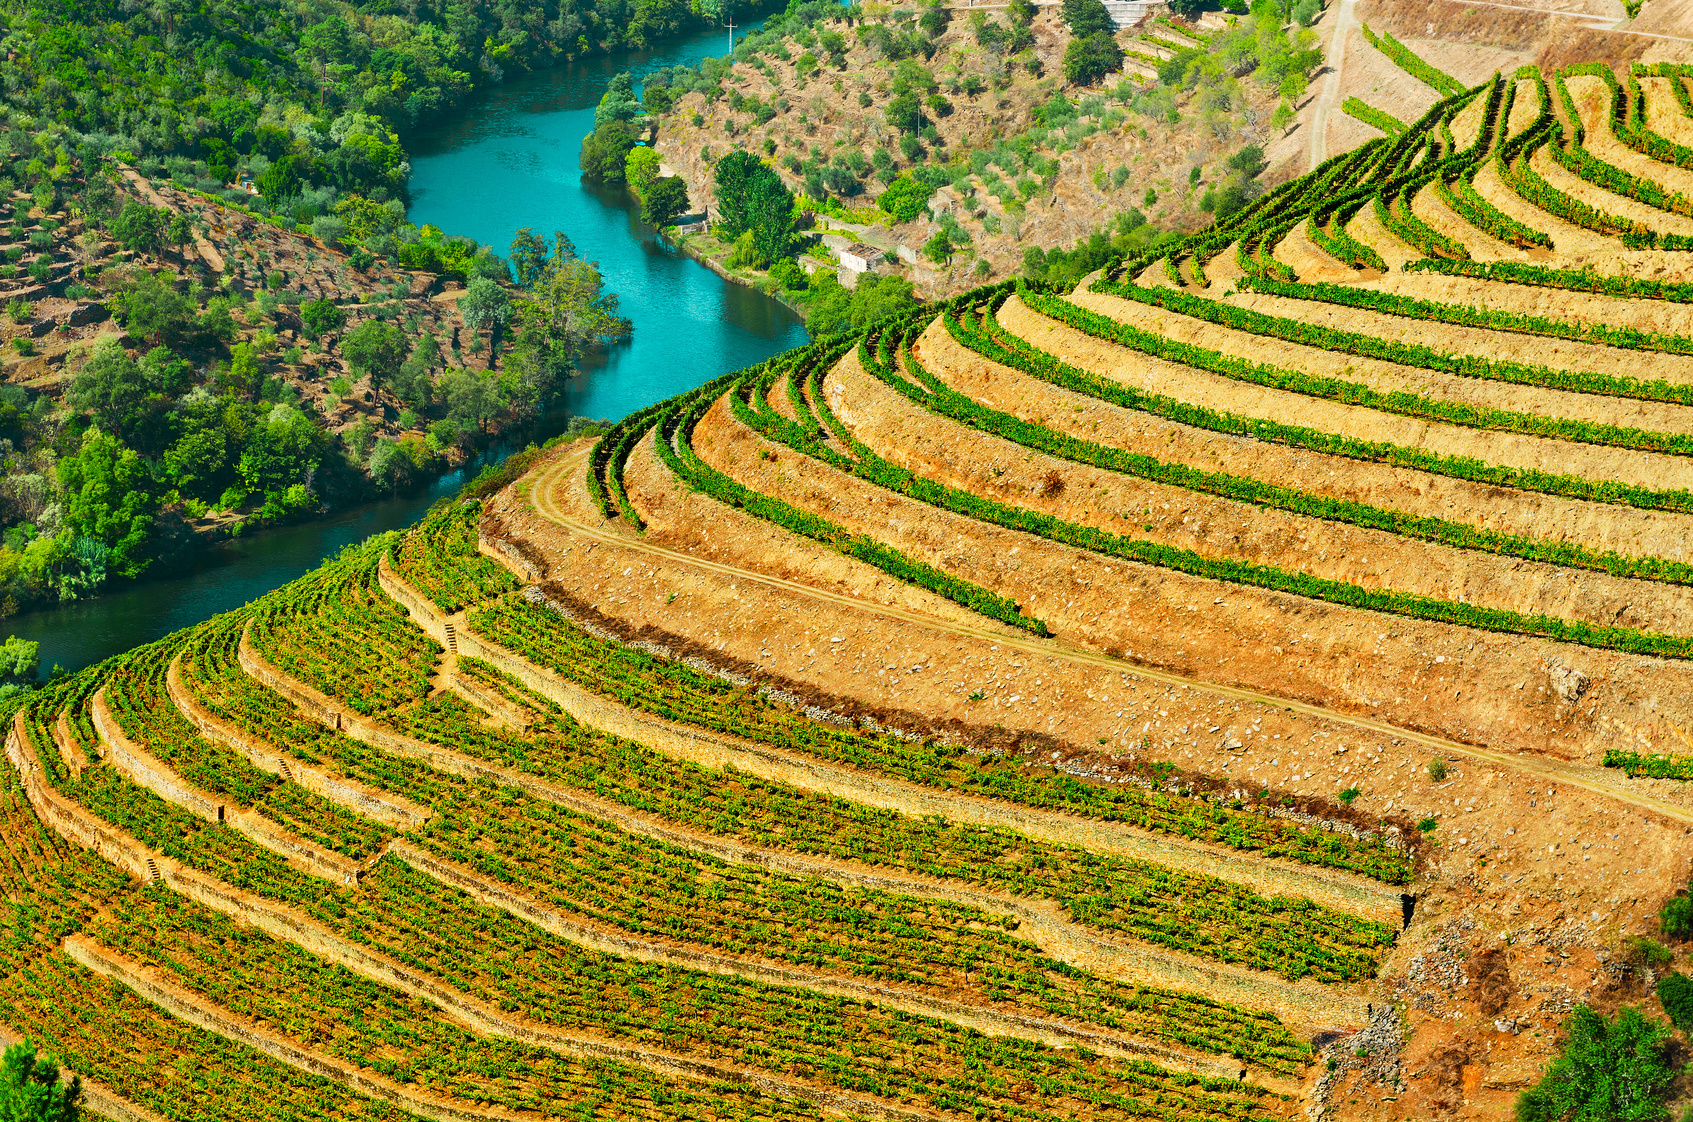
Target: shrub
(905, 198)
(1617, 1070)
(1675, 991)
(1437, 770)
(1349, 794)
(787, 273)
(1649, 952)
(1427, 825)
(322, 317)
(1675, 918)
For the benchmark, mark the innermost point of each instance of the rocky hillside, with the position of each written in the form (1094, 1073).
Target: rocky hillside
(1024, 159)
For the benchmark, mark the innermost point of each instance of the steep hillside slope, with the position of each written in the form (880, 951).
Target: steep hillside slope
(1246, 685)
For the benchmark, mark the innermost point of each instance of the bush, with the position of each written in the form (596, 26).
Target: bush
(1427, 825)
(787, 273)
(1649, 952)
(1676, 917)
(905, 198)
(1088, 59)
(322, 317)
(1675, 991)
(1437, 770)
(328, 229)
(1619, 1071)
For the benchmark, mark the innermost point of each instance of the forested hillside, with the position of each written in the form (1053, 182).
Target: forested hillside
(217, 314)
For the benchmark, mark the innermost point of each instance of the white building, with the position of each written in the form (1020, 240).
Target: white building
(860, 258)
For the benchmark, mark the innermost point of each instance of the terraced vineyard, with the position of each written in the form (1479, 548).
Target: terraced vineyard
(1164, 699)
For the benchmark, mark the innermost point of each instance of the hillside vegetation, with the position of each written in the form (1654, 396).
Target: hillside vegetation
(216, 314)
(1404, 441)
(987, 144)
(1245, 684)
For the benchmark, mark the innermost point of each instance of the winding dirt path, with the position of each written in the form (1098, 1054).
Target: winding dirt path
(1345, 19)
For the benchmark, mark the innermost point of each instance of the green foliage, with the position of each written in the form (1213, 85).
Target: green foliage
(1437, 770)
(834, 308)
(640, 168)
(787, 273)
(322, 317)
(605, 151)
(31, 1089)
(1650, 953)
(1087, 17)
(1675, 991)
(751, 198)
(485, 305)
(1675, 918)
(663, 199)
(140, 228)
(905, 198)
(1407, 60)
(1370, 115)
(376, 349)
(1619, 1070)
(1090, 58)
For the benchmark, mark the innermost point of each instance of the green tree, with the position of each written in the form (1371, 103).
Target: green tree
(284, 450)
(528, 257)
(752, 198)
(30, 1087)
(560, 319)
(322, 317)
(787, 273)
(905, 113)
(663, 200)
(152, 308)
(1091, 57)
(1609, 1071)
(485, 305)
(375, 349)
(1087, 17)
(905, 198)
(412, 385)
(640, 168)
(20, 665)
(285, 178)
(140, 228)
(196, 464)
(472, 398)
(109, 386)
(1676, 916)
(1675, 991)
(109, 499)
(618, 102)
(606, 150)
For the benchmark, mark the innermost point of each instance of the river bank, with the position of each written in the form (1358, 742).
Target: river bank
(507, 162)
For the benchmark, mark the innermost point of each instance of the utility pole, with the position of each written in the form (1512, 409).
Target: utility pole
(731, 26)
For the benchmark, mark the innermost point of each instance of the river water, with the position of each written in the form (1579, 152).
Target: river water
(508, 161)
